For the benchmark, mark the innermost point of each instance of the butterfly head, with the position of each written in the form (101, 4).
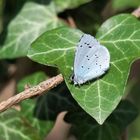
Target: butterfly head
(77, 80)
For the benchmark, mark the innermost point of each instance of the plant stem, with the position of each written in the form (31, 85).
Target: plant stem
(41, 88)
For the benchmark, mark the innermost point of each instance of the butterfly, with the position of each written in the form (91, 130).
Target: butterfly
(91, 60)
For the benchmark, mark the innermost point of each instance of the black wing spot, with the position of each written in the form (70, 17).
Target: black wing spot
(90, 47)
(96, 64)
(87, 56)
(88, 68)
(85, 43)
(88, 59)
(82, 66)
(81, 46)
(88, 44)
(96, 56)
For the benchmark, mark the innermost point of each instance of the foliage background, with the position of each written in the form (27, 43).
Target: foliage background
(38, 116)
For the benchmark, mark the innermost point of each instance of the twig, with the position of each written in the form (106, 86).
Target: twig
(136, 12)
(28, 93)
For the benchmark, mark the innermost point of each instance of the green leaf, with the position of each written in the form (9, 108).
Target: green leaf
(112, 129)
(120, 34)
(59, 42)
(27, 111)
(22, 124)
(45, 108)
(33, 20)
(62, 5)
(13, 126)
(56, 100)
(123, 4)
(28, 106)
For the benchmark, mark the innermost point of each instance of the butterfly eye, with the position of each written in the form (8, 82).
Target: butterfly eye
(72, 77)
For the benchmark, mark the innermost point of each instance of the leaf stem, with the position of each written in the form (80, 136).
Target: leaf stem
(125, 135)
(71, 22)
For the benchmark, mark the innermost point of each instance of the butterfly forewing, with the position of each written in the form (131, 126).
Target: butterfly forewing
(91, 59)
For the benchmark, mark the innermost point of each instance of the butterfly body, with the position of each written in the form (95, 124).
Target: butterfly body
(91, 60)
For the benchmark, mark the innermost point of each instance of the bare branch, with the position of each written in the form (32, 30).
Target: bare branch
(30, 92)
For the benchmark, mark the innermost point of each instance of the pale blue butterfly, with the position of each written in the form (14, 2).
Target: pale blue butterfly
(91, 60)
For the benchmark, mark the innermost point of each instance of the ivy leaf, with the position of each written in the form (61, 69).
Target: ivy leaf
(28, 106)
(22, 124)
(120, 34)
(18, 125)
(33, 20)
(112, 129)
(61, 5)
(42, 127)
(55, 101)
(13, 126)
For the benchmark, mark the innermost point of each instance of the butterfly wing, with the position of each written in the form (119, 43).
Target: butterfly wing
(98, 65)
(91, 59)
